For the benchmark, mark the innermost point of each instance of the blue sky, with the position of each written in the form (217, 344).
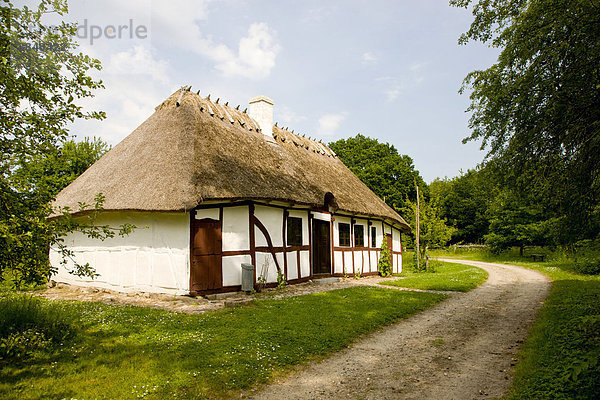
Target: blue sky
(386, 69)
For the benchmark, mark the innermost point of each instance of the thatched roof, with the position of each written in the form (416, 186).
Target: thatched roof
(193, 150)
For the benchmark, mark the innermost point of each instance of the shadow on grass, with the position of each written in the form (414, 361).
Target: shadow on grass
(128, 352)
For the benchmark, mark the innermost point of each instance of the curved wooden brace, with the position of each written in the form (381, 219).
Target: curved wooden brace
(265, 232)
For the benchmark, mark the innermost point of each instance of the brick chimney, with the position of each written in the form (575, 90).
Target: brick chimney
(261, 109)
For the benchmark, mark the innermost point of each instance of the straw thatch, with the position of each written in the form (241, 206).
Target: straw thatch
(197, 151)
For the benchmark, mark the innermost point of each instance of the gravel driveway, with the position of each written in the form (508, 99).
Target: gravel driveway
(462, 348)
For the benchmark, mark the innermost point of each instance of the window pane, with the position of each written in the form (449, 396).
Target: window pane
(373, 236)
(359, 236)
(344, 234)
(294, 231)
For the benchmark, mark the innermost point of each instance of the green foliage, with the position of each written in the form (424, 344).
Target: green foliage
(560, 358)
(48, 173)
(130, 351)
(516, 222)
(29, 324)
(448, 276)
(463, 202)
(42, 76)
(389, 175)
(434, 231)
(587, 267)
(281, 282)
(537, 110)
(384, 264)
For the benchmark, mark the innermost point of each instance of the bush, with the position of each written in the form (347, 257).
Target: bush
(587, 267)
(29, 324)
(384, 265)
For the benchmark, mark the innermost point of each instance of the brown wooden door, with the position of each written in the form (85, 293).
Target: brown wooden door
(321, 247)
(206, 255)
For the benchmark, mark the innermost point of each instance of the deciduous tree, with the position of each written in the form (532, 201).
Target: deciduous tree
(41, 78)
(537, 109)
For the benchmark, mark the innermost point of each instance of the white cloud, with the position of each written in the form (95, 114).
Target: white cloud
(179, 25)
(256, 54)
(392, 87)
(136, 81)
(288, 117)
(392, 93)
(138, 60)
(329, 123)
(369, 58)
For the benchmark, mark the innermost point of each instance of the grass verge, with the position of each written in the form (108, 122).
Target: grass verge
(561, 357)
(135, 352)
(448, 276)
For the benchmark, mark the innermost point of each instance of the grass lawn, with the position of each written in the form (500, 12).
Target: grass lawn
(561, 357)
(134, 352)
(448, 276)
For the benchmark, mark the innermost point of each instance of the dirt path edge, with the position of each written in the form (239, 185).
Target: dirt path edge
(463, 348)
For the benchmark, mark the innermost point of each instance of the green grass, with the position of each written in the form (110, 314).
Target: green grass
(448, 276)
(561, 357)
(135, 352)
(557, 360)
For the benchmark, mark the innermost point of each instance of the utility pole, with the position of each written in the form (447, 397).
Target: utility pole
(418, 233)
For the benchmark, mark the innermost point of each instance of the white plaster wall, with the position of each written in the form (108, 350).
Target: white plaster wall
(292, 265)
(374, 259)
(321, 216)
(377, 230)
(236, 231)
(304, 216)
(366, 258)
(387, 228)
(212, 213)
(358, 261)
(336, 236)
(396, 239)
(272, 219)
(339, 267)
(153, 258)
(363, 222)
(265, 265)
(232, 269)
(347, 261)
(400, 265)
(304, 264)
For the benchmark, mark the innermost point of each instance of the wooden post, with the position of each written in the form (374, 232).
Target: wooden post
(418, 230)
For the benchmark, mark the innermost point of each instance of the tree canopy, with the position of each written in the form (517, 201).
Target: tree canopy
(537, 109)
(464, 202)
(390, 175)
(41, 78)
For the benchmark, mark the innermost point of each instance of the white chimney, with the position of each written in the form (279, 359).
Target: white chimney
(261, 109)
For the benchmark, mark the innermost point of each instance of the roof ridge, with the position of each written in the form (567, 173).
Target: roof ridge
(302, 141)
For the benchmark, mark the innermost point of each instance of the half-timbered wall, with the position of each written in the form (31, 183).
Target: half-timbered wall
(239, 246)
(156, 256)
(153, 258)
(236, 238)
(363, 259)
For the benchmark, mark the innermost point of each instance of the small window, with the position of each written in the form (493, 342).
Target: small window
(344, 234)
(359, 236)
(373, 236)
(294, 231)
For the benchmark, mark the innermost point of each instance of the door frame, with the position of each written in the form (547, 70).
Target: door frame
(314, 247)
